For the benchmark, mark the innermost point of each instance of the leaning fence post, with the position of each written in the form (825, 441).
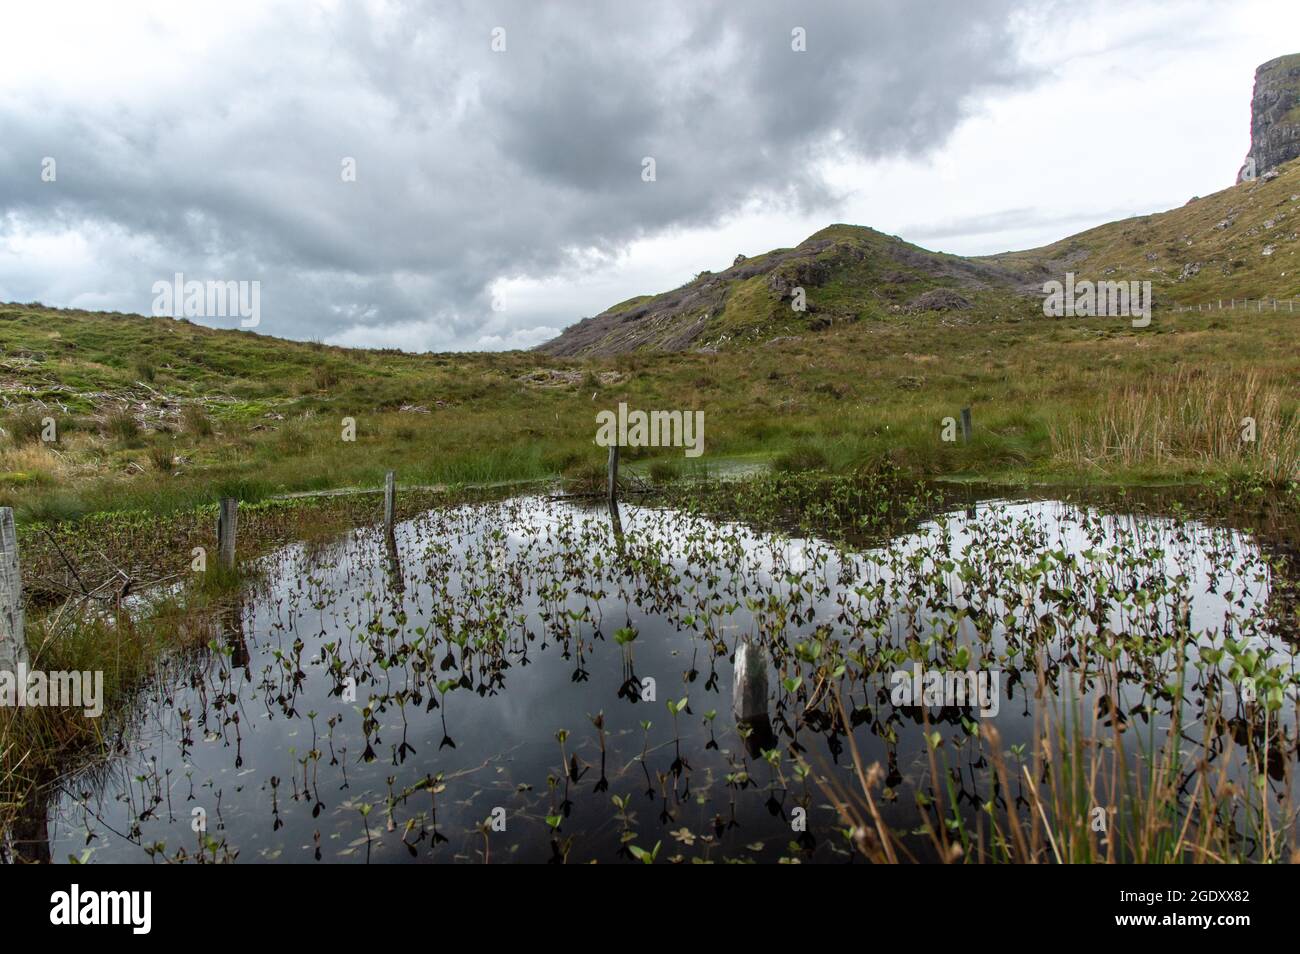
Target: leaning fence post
(13, 645)
(613, 473)
(390, 502)
(227, 519)
(965, 425)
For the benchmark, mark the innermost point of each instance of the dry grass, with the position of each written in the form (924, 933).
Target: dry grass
(1190, 419)
(39, 462)
(1094, 802)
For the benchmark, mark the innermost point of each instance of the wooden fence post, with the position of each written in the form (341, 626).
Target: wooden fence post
(227, 520)
(613, 473)
(13, 644)
(749, 694)
(390, 502)
(965, 425)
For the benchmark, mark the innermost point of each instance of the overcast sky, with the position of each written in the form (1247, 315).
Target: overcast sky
(499, 194)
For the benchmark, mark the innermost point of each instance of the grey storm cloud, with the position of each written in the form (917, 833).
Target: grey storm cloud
(472, 165)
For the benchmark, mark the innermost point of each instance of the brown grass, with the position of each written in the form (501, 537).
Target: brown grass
(1188, 419)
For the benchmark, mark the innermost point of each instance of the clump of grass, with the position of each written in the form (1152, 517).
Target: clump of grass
(323, 377)
(798, 459)
(586, 475)
(144, 370)
(121, 426)
(294, 436)
(195, 421)
(27, 426)
(665, 471)
(160, 456)
(55, 507)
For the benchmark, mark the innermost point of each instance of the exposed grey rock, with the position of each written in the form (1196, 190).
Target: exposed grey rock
(939, 299)
(1274, 117)
(1190, 269)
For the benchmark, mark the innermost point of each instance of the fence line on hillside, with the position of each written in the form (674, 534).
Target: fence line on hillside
(1242, 304)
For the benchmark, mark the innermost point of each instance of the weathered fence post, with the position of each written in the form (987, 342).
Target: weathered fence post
(965, 425)
(613, 473)
(13, 645)
(749, 696)
(227, 519)
(390, 502)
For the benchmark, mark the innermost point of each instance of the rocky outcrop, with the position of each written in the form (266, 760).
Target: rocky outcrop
(939, 299)
(1274, 117)
(844, 272)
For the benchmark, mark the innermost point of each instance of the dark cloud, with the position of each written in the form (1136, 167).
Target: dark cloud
(472, 165)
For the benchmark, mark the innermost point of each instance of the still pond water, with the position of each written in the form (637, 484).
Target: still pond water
(500, 683)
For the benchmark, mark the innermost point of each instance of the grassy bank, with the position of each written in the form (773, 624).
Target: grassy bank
(229, 413)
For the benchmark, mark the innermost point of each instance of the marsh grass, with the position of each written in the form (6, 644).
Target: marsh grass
(38, 745)
(1083, 797)
(1191, 420)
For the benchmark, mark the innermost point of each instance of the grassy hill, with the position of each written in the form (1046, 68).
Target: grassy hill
(1237, 243)
(159, 414)
(848, 272)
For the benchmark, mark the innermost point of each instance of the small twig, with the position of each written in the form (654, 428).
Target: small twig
(66, 562)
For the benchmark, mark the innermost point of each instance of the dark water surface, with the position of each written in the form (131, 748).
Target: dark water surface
(492, 628)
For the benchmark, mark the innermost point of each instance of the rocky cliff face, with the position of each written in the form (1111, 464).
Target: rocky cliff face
(1274, 116)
